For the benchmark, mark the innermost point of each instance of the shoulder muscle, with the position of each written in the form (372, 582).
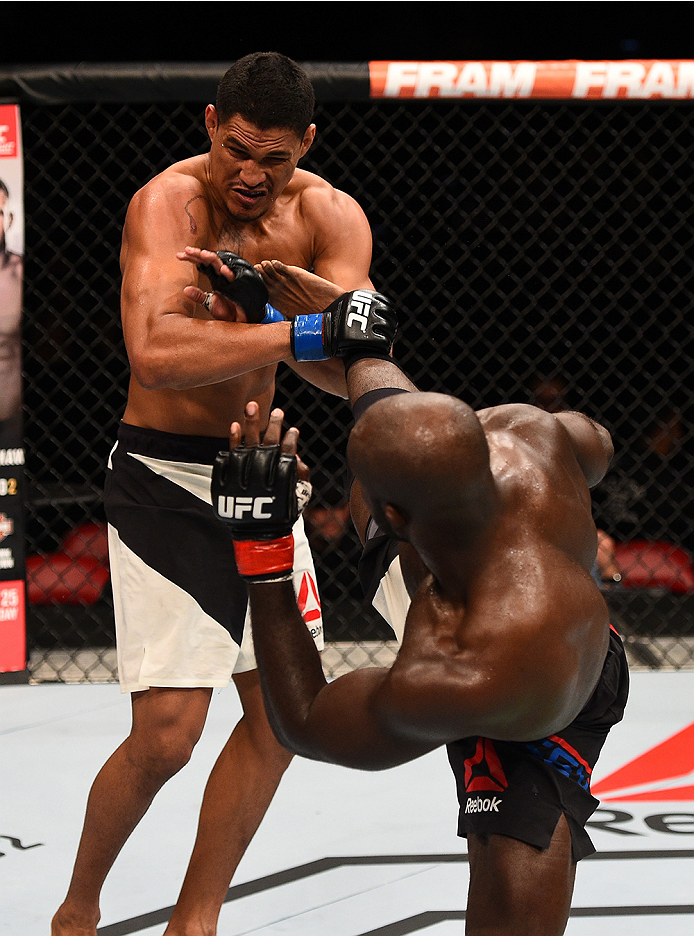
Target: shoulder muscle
(591, 442)
(170, 203)
(341, 235)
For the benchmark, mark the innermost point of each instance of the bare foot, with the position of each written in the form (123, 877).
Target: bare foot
(295, 291)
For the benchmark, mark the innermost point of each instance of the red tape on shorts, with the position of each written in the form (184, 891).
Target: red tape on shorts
(263, 557)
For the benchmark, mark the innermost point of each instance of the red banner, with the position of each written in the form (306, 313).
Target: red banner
(12, 628)
(647, 79)
(9, 131)
(12, 566)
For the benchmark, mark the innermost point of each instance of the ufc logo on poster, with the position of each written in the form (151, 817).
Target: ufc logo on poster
(235, 508)
(362, 302)
(8, 131)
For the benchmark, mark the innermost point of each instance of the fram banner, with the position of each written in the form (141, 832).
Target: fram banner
(578, 80)
(12, 574)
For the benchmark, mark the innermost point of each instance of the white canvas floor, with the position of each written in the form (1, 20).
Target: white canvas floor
(340, 852)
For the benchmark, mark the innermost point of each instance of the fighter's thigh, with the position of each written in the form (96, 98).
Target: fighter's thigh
(167, 723)
(517, 888)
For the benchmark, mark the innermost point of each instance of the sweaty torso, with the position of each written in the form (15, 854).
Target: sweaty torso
(532, 625)
(284, 233)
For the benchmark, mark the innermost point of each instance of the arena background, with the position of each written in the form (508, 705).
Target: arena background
(526, 243)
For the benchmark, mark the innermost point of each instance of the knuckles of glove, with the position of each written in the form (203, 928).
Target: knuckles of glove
(247, 289)
(362, 319)
(254, 491)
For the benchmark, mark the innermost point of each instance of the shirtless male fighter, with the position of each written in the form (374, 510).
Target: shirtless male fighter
(479, 537)
(195, 362)
(10, 331)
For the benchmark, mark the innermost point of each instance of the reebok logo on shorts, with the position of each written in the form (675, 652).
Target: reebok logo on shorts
(483, 771)
(477, 804)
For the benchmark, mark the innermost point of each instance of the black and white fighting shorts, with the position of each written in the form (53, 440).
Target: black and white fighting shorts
(180, 606)
(512, 788)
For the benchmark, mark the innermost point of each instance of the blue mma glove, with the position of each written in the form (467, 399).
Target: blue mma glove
(247, 288)
(362, 323)
(256, 491)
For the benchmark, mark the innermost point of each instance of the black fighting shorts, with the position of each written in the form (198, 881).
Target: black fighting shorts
(521, 789)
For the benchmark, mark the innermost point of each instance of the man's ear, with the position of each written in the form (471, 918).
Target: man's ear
(211, 120)
(307, 141)
(397, 519)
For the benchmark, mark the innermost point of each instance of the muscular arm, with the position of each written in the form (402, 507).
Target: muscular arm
(373, 374)
(374, 718)
(337, 722)
(364, 376)
(168, 345)
(343, 258)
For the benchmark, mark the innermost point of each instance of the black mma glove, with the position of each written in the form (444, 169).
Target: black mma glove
(256, 491)
(247, 289)
(362, 323)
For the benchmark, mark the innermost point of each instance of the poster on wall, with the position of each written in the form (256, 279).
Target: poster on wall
(12, 571)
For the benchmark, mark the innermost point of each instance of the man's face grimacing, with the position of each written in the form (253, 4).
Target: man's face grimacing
(249, 167)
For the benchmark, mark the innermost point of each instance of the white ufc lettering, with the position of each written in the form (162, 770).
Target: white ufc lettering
(361, 300)
(234, 508)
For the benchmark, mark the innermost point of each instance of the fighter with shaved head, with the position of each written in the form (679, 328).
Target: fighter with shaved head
(478, 549)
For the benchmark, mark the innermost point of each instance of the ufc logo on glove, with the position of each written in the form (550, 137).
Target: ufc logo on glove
(257, 492)
(234, 508)
(362, 322)
(361, 300)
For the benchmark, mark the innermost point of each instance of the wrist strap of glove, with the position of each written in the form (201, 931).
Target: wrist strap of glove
(307, 338)
(272, 315)
(265, 560)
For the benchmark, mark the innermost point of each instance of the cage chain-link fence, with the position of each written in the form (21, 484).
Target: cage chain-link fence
(538, 252)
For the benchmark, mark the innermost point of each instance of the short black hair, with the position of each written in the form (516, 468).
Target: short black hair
(268, 90)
